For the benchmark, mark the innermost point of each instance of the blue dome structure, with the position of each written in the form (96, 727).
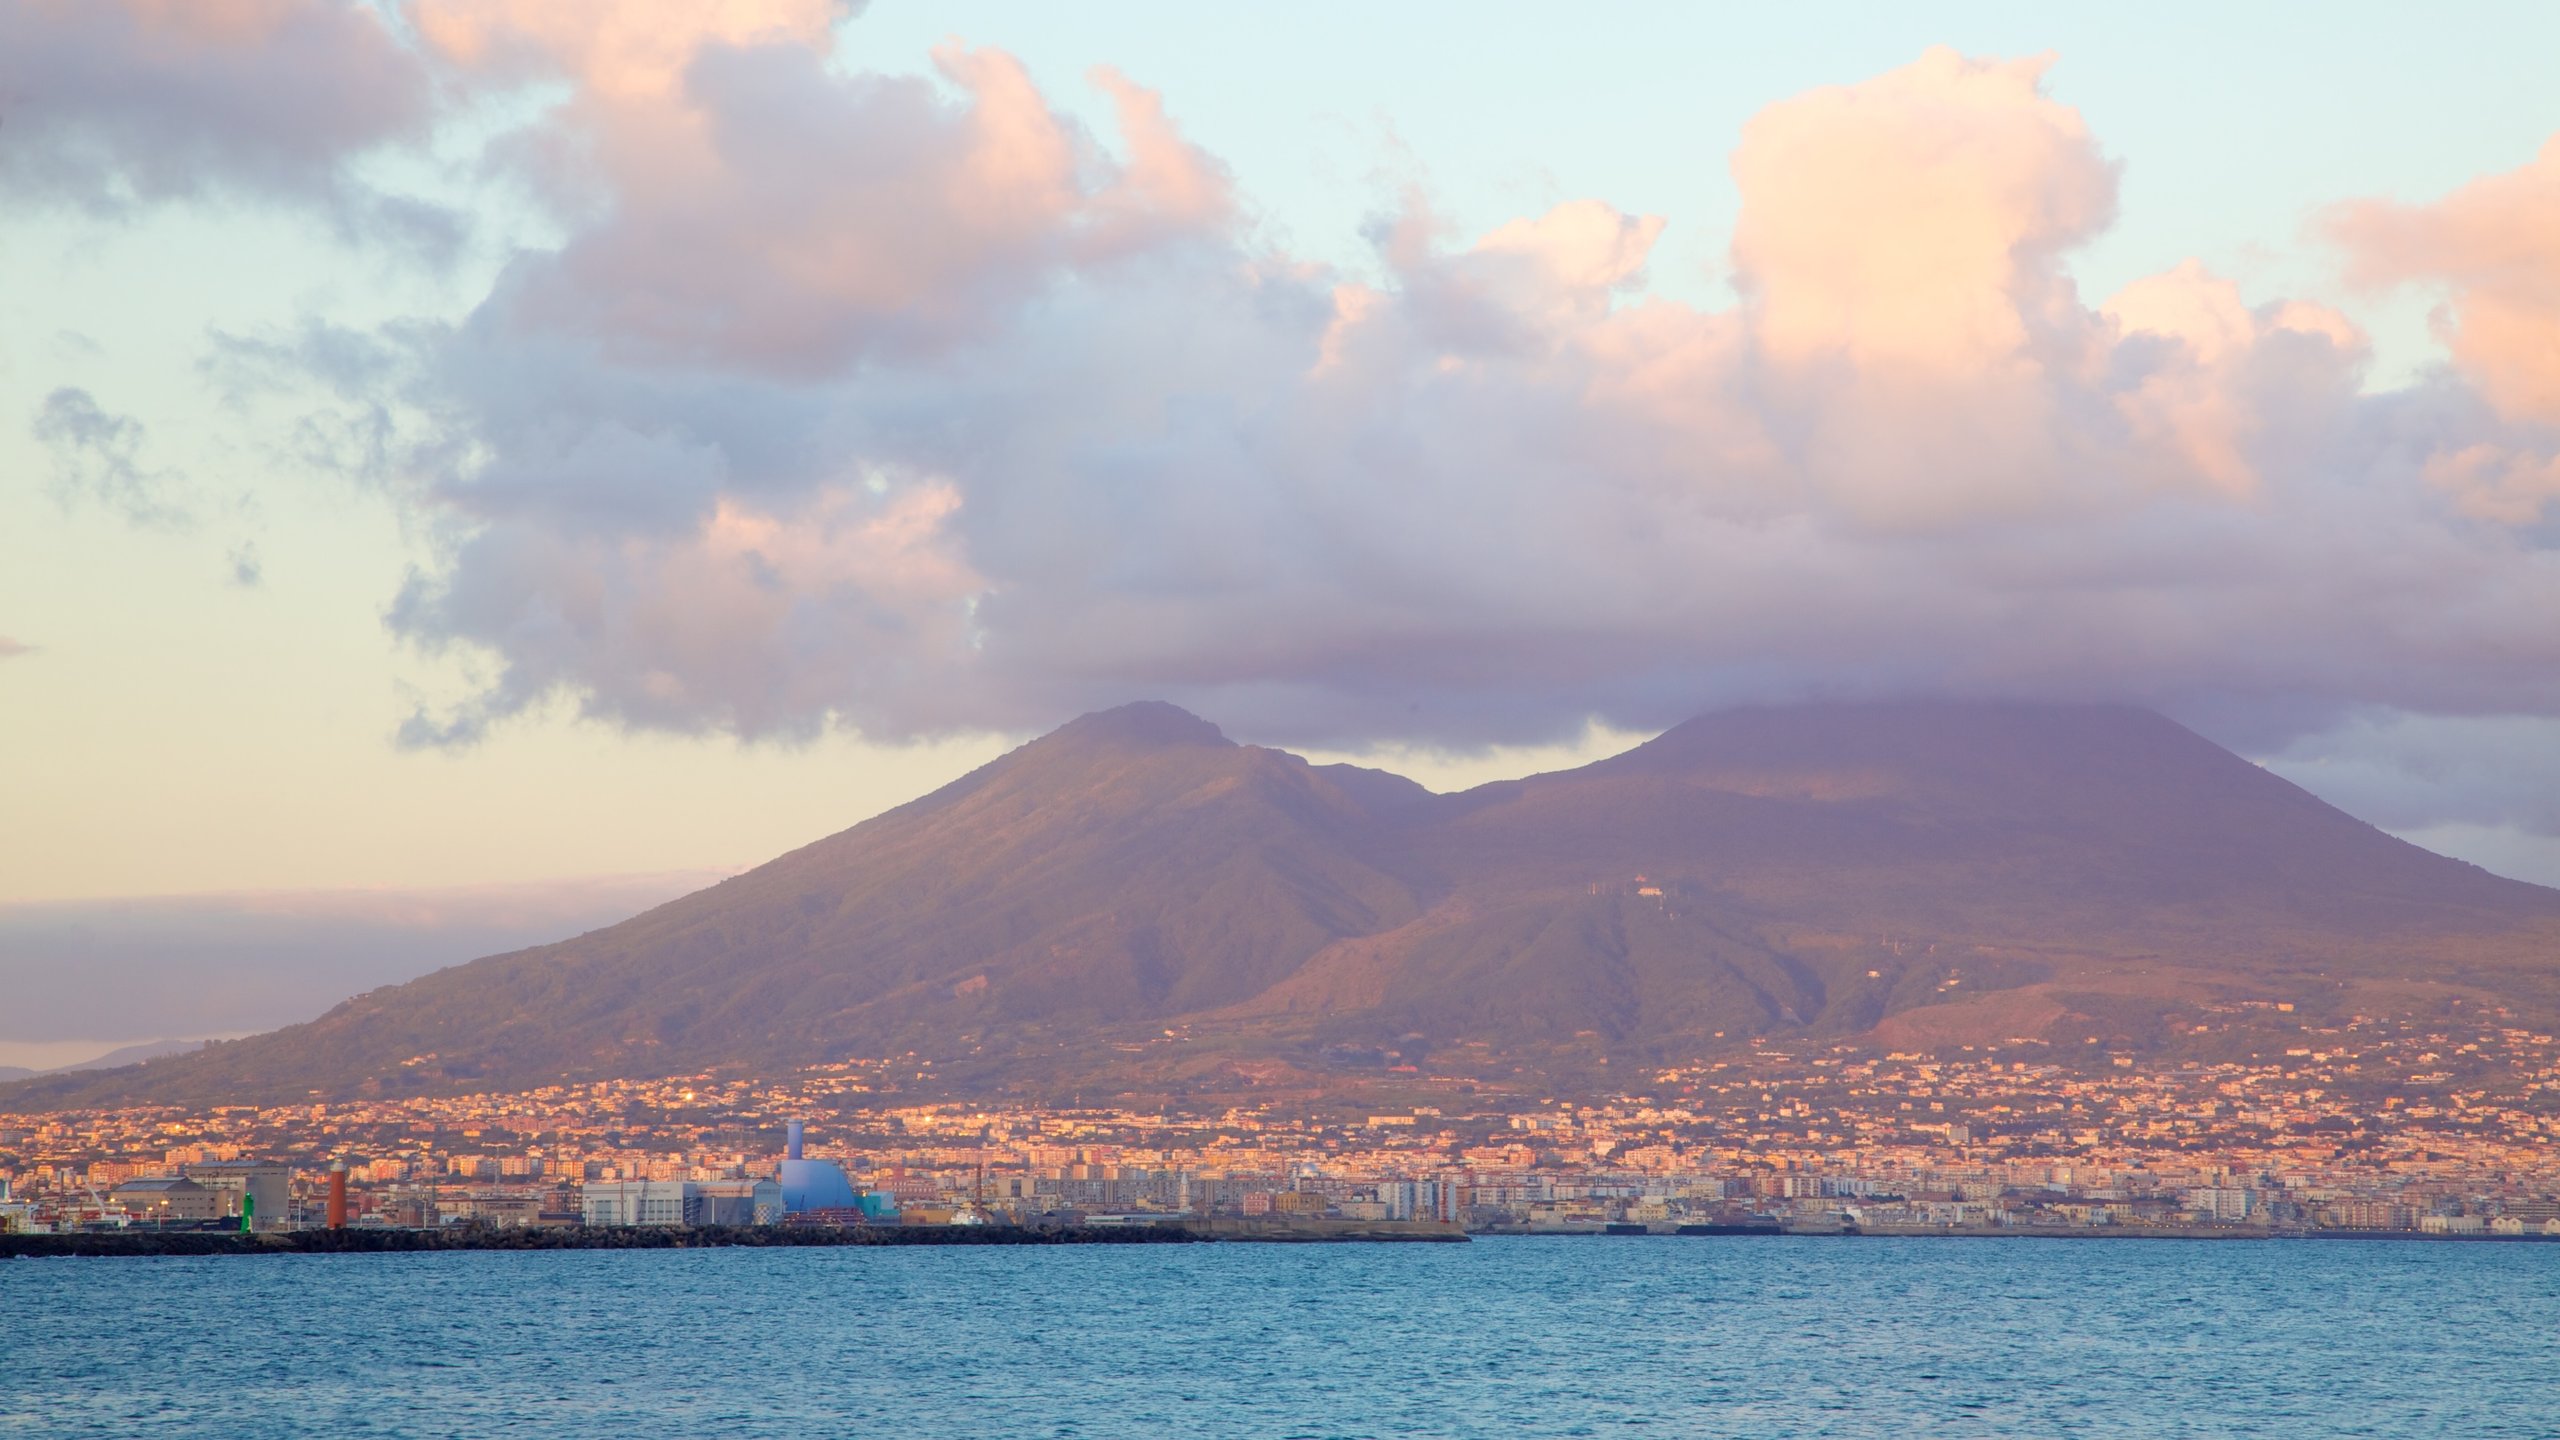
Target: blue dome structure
(812, 1184)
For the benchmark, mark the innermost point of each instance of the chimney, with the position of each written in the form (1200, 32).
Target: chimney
(791, 1147)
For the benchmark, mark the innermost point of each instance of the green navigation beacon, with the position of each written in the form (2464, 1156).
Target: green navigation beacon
(248, 1210)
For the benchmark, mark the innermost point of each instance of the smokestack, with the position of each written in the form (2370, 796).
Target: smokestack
(338, 1195)
(791, 1147)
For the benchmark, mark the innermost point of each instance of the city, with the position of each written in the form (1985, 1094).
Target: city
(2389, 1128)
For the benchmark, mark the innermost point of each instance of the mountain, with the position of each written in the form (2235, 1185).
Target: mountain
(122, 1055)
(1134, 900)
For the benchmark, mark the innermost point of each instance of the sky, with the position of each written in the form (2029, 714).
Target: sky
(455, 451)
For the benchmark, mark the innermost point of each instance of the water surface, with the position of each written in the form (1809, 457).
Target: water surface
(1506, 1337)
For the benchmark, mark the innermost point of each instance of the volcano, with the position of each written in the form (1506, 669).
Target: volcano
(1136, 901)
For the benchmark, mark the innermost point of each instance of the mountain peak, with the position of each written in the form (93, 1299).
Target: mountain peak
(1139, 725)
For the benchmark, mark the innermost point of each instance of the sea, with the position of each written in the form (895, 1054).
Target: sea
(1503, 1337)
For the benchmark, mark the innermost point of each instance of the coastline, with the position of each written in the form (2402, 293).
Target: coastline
(374, 1241)
(368, 1241)
(2241, 1233)
(383, 1241)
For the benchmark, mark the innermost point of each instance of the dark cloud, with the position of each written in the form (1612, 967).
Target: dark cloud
(2413, 772)
(111, 105)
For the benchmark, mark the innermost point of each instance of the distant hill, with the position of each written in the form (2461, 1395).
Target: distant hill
(117, 1058)
(1135, 901)
(124, 1055)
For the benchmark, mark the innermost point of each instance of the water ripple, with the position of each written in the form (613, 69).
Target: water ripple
(1531, 1338)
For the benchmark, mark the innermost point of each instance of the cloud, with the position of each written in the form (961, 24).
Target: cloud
(2412, 772)
(740, 625)
(2492, 248)
(97, 460)
(111, 105)
(909, 403)
(617, 50)
(2485, 788)
(774, 215)
(12, 649)
(1900, 247)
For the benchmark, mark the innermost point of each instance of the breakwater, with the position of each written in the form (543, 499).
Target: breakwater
(372, 1241)
(369, 1240)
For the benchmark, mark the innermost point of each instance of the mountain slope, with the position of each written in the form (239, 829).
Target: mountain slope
(1920, 873)
(1816, 869)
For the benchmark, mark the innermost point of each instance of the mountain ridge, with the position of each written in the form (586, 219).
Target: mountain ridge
(1135, 880)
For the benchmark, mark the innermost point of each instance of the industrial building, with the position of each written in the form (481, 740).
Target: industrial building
(265, 1190)
(820, 1187)
(161, 1199)
(682, 1202)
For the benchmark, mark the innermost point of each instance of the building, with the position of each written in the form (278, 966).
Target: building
(812, 1184)
(165, 1198)
(503, 1210)
(16, 1216)
(1419, 1199)
(633, 1202)
(682, 1202)
(736, 1202)
(266, 1189)
(2222, 1203)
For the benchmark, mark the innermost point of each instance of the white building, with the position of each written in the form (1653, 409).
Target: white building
(682, 1202)
(2222, 1203)
(634, 1202)
(1419, 1199)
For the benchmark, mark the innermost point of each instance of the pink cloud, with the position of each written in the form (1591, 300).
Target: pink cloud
(1167, 184)
(2494, 246)
(617, 50)
(773, 213)
(1581, 246)
(1917, 220)
(2498, 483)
(1900, 246)
(2199, 405)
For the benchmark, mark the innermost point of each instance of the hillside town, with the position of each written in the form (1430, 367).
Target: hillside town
(2394, 1129)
